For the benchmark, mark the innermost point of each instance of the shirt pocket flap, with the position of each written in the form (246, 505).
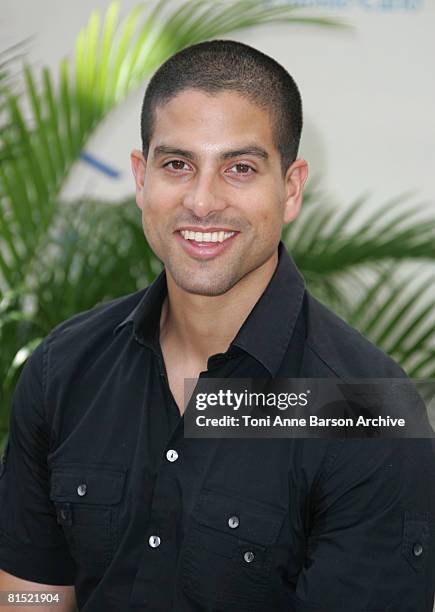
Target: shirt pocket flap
(247, 519)
(87, 485)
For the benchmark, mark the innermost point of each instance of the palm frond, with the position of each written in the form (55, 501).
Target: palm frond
(325, 241)
(396, 315)
(9, 59)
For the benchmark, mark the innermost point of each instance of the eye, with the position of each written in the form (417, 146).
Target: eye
(175, 164)
(242, 169)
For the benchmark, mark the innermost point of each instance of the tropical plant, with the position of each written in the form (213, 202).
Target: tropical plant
(358, 267)
(39, 254)
(9, 147)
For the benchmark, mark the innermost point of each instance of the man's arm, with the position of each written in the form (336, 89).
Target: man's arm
(9, 583)
(371, 544)
(32, 543)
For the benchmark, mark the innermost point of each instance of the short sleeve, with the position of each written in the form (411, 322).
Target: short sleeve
(371, 545)
(32, 543)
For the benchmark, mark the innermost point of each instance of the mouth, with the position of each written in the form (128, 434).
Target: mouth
(205, 245)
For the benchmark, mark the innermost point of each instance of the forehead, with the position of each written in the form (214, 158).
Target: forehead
(211, 120)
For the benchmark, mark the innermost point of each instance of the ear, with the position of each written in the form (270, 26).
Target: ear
(295, 179)
(138, 165)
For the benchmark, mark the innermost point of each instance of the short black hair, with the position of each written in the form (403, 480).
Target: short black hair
(227, 65)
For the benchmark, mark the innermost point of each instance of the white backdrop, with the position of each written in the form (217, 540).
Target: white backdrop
(368, 93)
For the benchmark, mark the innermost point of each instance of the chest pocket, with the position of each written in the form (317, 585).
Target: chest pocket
(227, 556)
(86, 499)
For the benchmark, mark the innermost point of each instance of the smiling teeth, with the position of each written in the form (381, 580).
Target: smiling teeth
(206, 236)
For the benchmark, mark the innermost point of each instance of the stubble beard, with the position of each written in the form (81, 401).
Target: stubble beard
(206, 282)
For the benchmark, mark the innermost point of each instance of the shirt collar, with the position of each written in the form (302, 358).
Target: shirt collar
(145, 316)
(267, 330)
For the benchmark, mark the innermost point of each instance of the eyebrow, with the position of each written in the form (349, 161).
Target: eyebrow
(248, 150)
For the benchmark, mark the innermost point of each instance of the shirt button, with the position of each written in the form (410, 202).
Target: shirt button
(233, 522)
(154, 541)
(248, 556)
(417, 549)
(81, 489)
(172, 455)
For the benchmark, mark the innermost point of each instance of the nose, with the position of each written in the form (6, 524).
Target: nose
(204, 195)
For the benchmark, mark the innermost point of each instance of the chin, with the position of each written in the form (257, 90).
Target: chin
(206, 286)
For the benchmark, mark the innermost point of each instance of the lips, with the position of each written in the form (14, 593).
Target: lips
(208, 236)
(204, 245)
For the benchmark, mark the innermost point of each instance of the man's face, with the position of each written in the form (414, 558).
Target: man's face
(211, 191)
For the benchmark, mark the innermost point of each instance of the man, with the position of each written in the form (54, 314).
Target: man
(101, 489)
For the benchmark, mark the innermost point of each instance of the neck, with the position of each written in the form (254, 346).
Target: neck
(201, 326)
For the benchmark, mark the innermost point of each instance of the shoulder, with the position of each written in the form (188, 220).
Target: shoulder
(80, 338)
(87, 325)
(84, 344)
(103, 317)
(342, 349)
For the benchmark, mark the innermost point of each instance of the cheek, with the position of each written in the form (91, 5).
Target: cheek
(154, 203)
(158, 197)
(271, 216)
(156, 213)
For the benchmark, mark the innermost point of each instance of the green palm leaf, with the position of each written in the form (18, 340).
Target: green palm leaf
(9, 58)
(396, 315)
(325, 241)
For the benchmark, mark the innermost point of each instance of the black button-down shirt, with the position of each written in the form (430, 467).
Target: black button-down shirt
(101, 489)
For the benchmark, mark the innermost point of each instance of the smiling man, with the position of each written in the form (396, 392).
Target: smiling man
(105, 499)
(214, 198)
